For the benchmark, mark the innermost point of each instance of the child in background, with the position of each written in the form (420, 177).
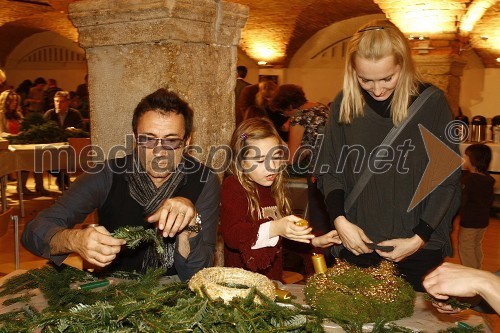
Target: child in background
(477, 197)
(255, 212)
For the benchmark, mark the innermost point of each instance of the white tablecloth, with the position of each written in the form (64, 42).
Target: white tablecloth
(33, 157)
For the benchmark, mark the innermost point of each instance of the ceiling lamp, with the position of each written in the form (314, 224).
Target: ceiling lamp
(423, 18)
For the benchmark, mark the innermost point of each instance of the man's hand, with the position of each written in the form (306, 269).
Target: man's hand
(94, 244)
(352, 236)
(174, 215)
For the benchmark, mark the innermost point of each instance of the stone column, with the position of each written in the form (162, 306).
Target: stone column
(441, 62)
(136, 47)
(444, 72)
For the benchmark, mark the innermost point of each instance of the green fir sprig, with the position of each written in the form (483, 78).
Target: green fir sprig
(452, 301)
(37, 130)
(135, 235)
(464, 329)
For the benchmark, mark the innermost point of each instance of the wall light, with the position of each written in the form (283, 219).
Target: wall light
(262, 63)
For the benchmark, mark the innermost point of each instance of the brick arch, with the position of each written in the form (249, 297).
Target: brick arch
(287, 24)
(321, 14)
(12, 33)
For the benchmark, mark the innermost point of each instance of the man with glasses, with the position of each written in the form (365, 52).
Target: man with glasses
(158, 186)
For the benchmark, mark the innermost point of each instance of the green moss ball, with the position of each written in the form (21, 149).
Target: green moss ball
(346, 293)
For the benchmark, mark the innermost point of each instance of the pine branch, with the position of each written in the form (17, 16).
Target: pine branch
(453, 302)
(135, 235)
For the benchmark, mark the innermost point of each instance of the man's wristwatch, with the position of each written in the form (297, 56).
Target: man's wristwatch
(197, 226)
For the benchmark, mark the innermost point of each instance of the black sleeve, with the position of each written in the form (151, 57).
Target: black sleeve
(202, 246)
(335, 204)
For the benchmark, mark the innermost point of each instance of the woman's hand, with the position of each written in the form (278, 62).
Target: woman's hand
(352, 236)
(174, 215)
(329, 239)
(403, 247)
(285, 227)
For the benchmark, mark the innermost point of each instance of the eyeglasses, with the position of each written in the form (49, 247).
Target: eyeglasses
(150, 142)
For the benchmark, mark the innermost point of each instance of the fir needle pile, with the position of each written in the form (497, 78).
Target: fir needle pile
(143, 305)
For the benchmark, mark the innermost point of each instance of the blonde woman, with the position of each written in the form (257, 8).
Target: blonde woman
(10, 113)
(10, 124)
(255, 212)
(380, 84)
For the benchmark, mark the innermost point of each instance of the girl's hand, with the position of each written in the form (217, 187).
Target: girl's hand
(286, 227)
(326, 240)
(352, 236)
(403, 247)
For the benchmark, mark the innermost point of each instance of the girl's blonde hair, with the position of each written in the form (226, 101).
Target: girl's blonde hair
(248, 133)
(376, 40)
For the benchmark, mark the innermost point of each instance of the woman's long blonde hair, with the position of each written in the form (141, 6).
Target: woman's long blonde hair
(376, 40)
(247, 133)
(6, 97)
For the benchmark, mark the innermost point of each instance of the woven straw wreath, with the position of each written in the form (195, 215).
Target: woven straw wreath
(227, 282)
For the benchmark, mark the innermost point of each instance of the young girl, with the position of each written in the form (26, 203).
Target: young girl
(255, 212)
(477, 197)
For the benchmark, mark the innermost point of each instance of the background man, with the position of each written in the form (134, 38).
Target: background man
(65, 117)
(241, 74)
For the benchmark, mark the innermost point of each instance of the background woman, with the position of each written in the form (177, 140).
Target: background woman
(10, 124)
(307, 125)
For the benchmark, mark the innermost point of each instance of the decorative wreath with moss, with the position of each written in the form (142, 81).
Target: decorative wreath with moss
(346, 293)
(229, 282)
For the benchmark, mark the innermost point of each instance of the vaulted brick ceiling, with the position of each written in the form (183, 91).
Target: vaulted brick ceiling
(283, 25)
